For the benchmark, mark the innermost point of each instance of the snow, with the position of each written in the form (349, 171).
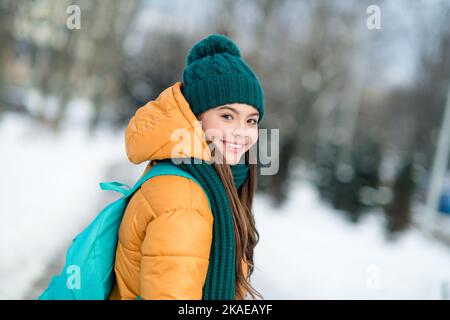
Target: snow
(49, 191)
(307, 250)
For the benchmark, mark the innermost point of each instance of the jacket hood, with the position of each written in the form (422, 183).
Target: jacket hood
(165, 128)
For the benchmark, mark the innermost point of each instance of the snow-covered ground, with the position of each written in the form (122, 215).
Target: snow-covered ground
(50, 191)
(308, 251)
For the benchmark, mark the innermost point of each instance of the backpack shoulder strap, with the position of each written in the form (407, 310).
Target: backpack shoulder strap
(159, 169)
(164, 168)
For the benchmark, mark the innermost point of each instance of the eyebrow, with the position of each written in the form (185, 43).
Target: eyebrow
(235, 111)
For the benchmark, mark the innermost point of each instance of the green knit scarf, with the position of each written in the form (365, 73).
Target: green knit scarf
(220, 281)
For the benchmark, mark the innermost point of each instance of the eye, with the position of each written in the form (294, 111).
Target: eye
(253, 121)
(225, 116)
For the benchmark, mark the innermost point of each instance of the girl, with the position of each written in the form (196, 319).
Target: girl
(179, 239)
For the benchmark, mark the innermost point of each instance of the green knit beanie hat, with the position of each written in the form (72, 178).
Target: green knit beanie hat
(215, 74)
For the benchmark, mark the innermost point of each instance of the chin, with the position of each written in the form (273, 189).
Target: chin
(230, 158)
(232, 162)
(233, 159)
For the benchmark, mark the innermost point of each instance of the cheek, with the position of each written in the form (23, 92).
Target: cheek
(253, 136)
(213, 129)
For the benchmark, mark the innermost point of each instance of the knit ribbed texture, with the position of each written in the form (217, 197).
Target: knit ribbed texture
(215, 74)
(240, 173)
(220, 283)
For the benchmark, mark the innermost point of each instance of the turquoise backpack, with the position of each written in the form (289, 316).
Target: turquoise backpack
(88, 273)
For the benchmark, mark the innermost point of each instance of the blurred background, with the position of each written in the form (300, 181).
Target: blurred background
(360, 206)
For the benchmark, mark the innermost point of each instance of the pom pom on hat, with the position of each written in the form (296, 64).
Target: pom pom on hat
(214, 44)
(215, 74)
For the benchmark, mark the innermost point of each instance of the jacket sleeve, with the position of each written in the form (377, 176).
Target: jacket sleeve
(175, 254)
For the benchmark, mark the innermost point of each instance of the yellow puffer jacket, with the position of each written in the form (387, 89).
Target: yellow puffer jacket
(166, 232)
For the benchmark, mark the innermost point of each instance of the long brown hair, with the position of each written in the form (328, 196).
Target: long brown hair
(246, 235)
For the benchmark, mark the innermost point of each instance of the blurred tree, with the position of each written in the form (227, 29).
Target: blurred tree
(106, 58)
(429, 91)
(398, 212)
(305, 53)
(155, 67)
(314, 56)
(68, 64)
(7, 9)
(351, 186)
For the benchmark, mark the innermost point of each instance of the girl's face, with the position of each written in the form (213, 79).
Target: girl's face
(232, 129)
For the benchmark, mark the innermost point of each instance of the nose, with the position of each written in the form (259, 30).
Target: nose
(239, 133)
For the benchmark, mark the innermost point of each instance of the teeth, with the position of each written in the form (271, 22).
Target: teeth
(234, 146)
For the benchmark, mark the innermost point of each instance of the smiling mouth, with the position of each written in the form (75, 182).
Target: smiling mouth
(234, 147)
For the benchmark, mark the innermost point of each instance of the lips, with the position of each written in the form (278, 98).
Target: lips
(233, 147)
